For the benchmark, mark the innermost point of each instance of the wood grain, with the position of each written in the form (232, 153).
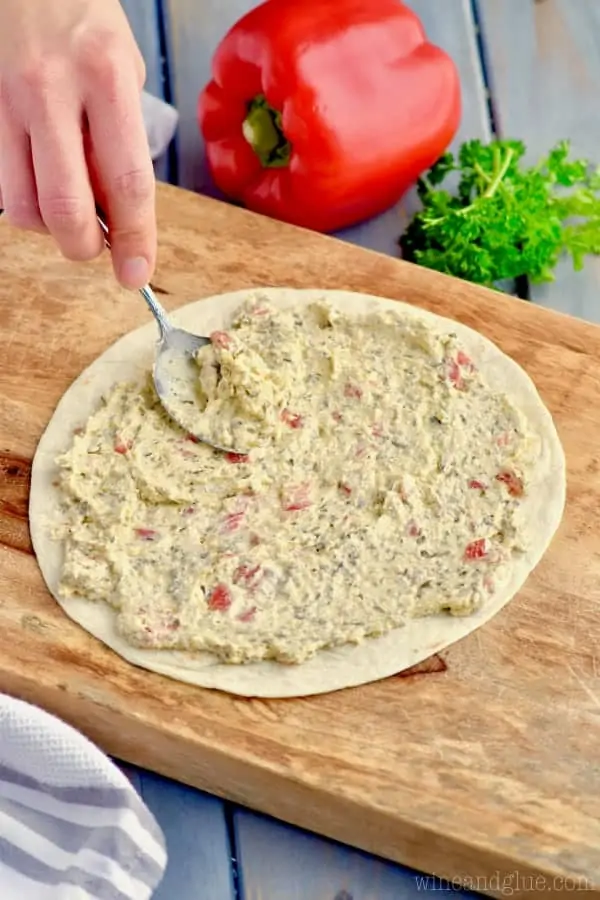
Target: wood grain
(489, 766)
(194, 31)
(273, 860)
(285, 863)
(15, 473)
(544, 72)
(195, 828)
(143, 17)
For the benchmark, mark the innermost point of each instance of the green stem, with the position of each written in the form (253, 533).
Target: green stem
(489, 191)
(263, 130)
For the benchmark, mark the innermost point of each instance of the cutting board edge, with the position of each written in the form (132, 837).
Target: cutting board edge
(415, 845)
(411, 270)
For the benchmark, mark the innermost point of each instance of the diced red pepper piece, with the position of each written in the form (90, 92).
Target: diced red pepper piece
(352, 391)
(478, 549)
(219, 599)
(189, 510)
(377, 430)
(465, 361)
(297, 505)
(292, 419)
(344, 488)
(301, 159)
(247, 575)
(192, 438)
(146, 534)
(513, 483)
(477, 485)
(237, 457)
(248, 615)
(336, 416)
(220, 339)
(122, 446)
(454, 374)
(233, 521)
(298, 499)
(413, 529)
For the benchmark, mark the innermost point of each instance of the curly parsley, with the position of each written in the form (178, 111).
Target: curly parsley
(505, 220)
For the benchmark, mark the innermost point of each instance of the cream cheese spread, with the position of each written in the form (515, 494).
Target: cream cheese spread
(382, 481)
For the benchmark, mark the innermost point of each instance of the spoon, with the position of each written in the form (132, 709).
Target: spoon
(175, 372)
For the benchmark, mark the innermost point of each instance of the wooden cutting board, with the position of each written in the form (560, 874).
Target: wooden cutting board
(483, 763)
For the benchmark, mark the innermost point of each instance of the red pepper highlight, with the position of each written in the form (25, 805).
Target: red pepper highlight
(323, 113)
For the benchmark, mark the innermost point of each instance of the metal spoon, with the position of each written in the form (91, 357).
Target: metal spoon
(175, 372)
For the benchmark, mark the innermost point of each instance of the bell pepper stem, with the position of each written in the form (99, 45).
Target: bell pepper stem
(262, 129)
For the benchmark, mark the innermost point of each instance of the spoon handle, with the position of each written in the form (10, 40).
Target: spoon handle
(156, 308)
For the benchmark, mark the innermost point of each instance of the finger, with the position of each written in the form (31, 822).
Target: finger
(19, 194)
(64, 192)
(126, 177)
(93, 172)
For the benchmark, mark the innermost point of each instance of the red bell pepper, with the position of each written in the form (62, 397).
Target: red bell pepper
(323, 112)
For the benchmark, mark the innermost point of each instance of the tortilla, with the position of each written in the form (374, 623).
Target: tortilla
(329, 670)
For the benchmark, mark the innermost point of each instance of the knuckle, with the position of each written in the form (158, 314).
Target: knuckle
(135, 187)
(100, 57)
(97, 44)
(37, 75)
(63, 213)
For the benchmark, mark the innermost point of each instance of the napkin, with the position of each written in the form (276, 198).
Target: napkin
(71, 825)
(161, 121)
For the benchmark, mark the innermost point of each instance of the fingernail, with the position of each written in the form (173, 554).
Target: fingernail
(134, 272)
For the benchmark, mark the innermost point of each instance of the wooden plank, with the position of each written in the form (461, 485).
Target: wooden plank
(451, 26)
(195, 829)
(196, 29)
(544, 73)
(143, 19)
(196, 833)
(486, 761)
(193, 32)
(132, 773)
(143, 16)
(276, 861)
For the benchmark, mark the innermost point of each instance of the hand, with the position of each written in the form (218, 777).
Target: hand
(72, 132)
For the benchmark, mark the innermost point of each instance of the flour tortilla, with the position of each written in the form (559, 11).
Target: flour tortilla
(329, 670)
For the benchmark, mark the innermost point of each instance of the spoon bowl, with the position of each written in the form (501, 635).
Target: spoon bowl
(175, 372)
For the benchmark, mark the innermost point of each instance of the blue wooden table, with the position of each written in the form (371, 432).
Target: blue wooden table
(529, 70)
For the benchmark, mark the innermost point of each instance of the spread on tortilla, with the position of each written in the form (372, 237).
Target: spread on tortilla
(402, 478)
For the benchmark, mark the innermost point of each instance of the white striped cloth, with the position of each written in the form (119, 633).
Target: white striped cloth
(71, 825)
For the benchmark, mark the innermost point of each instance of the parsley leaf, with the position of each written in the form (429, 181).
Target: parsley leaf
(505, 220)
